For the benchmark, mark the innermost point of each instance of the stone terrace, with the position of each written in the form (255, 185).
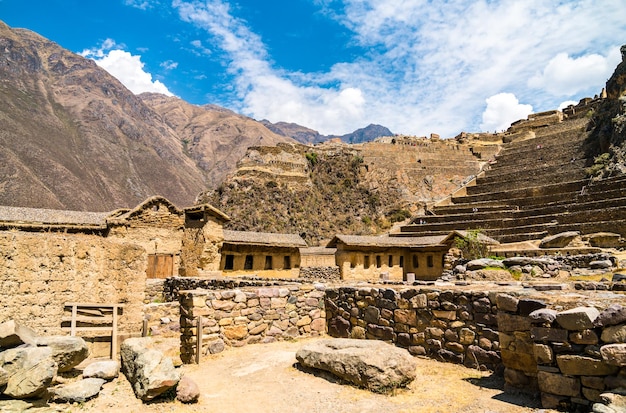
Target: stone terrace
(536, 188)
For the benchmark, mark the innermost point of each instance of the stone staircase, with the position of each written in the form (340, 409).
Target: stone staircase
(536, 188)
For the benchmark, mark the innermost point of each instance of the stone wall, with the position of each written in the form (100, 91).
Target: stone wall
(40, 272)
(571, 356)
(455, 326)
(249, 315)
(320, 273)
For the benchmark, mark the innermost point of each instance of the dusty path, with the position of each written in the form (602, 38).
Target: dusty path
(262, 378)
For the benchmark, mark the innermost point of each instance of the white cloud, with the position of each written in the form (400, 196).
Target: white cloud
(566, 76)
(426, 66)
(502, 110)
(169, 65)
(127, 68)
(199, 48)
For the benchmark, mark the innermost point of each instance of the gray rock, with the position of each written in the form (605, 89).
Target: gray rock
(544, 315)
(507, 302)
(77, 392)
(187, 391)
(604, 240)
(13, 335)
(600, 264)
(371, 364)
(617, 277)
(614, 354)
(613, 315)
(561, 240)
(149, 372)
(483, 263)
(578, 318)
(4, 377)
(106, 369)
(30, 371)
(216, 346)
(67, 351)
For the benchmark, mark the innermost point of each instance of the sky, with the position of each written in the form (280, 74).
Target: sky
(414, 66)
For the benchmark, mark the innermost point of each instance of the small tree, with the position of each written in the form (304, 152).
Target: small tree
(471, 245)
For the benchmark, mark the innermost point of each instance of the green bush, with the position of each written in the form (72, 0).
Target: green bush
(471, 246)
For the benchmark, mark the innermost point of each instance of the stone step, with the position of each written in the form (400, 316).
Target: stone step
(534, 191)
(503, 176)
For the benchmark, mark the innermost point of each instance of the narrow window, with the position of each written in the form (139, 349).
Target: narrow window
(366, 262)
(247, 265)
(287, 262)
(268, 262)
(401, 261)
(390, 261)
(430, 261)
(230, 262)
(416, 262)
(378, 264)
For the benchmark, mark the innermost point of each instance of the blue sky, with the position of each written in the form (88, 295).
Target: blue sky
(415, 66)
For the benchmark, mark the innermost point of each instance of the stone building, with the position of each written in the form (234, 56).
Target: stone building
(367, 257)
(50, 258)
(267, 255)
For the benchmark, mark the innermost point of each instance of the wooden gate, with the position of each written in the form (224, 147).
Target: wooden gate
(160, 266)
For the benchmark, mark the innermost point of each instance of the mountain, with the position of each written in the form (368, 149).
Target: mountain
(366, 134)
(73, 137)
(310, 136)
(214, 137)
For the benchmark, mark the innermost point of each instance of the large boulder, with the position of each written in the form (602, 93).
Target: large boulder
(561, 240)
(149, 372)
(372, 364)
(67, 351)
(78, 391)
(13, 335)
(483, 263)
(30, 371)
(105, 369)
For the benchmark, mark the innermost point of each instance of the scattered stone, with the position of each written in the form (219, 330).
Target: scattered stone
(67, 351)
(216, 346)
(106, 369)
(187, 390)
(30, 371)
(614, 334)
(77, 392)
(507, 302)
(372, 364)
(149, 371)
(13, 335)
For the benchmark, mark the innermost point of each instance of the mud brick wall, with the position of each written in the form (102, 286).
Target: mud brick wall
(570, 356)
(453, 326)
(249, 315)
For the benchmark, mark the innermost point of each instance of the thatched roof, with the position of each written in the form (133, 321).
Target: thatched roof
(386, 241)
(263, 238)
(20, 217)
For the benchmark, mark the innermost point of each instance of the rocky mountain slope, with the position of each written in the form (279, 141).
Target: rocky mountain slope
(73, 137)
(214, 137)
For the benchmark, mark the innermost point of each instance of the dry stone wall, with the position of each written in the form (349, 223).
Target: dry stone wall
(249, 315)
(453, 326)
(570, 356)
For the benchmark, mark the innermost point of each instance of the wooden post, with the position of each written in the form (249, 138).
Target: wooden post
(114, 334)
(198, 339)
(144, 328)
(73, 325)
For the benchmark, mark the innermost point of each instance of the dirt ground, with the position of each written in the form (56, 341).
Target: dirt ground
(264, 378)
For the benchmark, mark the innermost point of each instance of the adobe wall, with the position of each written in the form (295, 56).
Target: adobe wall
(200, 249)
(260, 255)
(249, 315)
(40, 272)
